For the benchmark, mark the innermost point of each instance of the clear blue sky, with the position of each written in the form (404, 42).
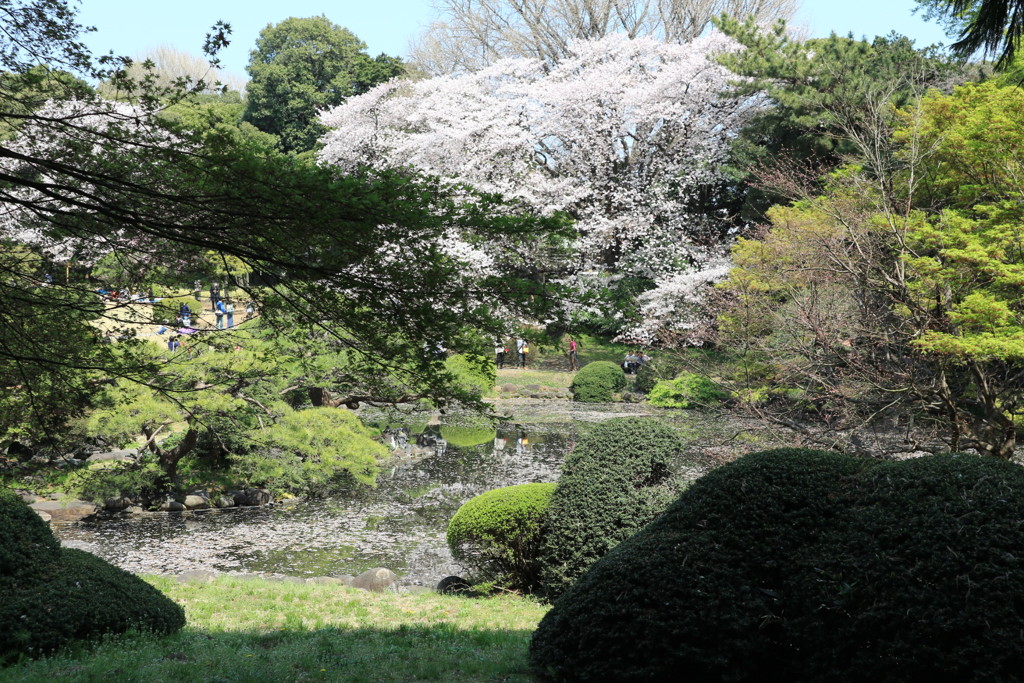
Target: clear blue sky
(131, 26)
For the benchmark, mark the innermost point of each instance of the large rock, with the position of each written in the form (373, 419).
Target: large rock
(197, 500)
(257, 497)
(172, 506)
(66, 511)
(224, 502)
(376, 580)
(118, 503)
(117, 456)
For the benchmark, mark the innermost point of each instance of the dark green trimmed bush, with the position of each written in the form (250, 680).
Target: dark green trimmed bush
(685, 391)
(497, 534)
(616, 480)
(28, 550)
(597, 382)
(52, 596)
(811, 566)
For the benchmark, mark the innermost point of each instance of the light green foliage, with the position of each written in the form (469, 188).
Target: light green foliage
(473, 372)
(240, 414)
(312, 449)
(497, 534)
(918, 300)
(598, 381)
(302, 66)
(688, 390)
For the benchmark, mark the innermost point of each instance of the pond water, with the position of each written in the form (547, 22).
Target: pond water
(400, 524)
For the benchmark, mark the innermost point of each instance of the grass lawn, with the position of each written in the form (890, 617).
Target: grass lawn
(266, 631)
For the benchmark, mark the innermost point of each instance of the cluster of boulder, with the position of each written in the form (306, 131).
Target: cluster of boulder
(57, 507)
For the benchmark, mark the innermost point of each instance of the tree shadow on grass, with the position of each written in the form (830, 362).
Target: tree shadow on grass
(440, 652)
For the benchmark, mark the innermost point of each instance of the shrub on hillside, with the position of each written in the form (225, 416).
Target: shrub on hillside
(685, 391)
(312, 450)
(53, 596)
(166, 310)
(803, 565)
(472, 372)
(616, 480)
(597, 382)
(497, 534)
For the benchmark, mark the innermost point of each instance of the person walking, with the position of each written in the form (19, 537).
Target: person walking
(573, 362)
(499, 354)
(522, 349)
(249, 310)
(229, 310)
(214, 295)
(186, 314)
(218, 311)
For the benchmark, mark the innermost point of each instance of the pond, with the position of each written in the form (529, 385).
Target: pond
(400, 524)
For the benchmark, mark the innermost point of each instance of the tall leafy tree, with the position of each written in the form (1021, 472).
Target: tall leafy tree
(366, 260)
(832, 97)
(301, 66)
(903, 291)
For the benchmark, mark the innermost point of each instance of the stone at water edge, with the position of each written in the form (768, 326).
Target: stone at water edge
(70, 511)
(43, 515)
(376, 580)
(118, 503)
(172, 506)
(257, 497)
(197, 500)
(225, 502)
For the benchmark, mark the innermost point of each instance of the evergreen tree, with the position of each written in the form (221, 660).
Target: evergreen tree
(301, 66)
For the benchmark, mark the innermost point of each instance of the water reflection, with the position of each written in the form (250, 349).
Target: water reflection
(400, 524)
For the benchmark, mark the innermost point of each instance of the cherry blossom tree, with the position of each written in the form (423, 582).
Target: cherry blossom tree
(626, 136)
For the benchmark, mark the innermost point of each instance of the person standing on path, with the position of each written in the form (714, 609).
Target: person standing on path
(230, 311)
(522, 349)
(573, 362)
(218, 310)
(214, 295)
(186, 314)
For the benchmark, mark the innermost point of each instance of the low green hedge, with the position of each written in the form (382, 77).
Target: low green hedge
(805, 565)
(597, 382)
(497, 534)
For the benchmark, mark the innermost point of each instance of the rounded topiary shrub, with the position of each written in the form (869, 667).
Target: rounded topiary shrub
(617, 478)
(685, 391)
(87, 598)
(28, 550)
(497, 534)
(803, 565)
(597, 381)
